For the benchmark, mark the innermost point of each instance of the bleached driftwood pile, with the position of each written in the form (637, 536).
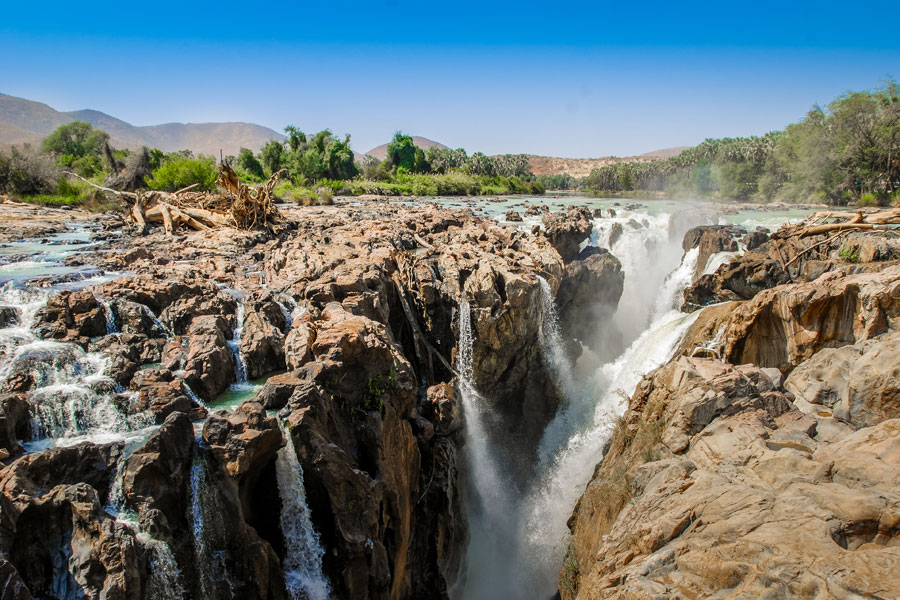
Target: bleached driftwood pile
(236, 205)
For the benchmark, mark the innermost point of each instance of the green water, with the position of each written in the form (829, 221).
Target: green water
(239, 393)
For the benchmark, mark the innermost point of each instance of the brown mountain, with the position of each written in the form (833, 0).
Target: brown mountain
(24, 120)
(380, 152)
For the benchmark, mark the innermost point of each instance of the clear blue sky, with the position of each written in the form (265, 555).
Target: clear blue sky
(558, 78)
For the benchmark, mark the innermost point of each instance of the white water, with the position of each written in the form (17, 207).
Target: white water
(303, 552)
(210, 561)
(164, 582)
(108, 314)
(492, 524)
(235, 342)
(641, 335)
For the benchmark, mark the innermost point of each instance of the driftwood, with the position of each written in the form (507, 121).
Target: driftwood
(817, 223)
(238, 206)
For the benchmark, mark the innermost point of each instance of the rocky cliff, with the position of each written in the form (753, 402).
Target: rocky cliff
(723, 478)
(352, 316)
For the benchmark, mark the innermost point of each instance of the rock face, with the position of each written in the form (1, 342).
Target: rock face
(707, 465)
(710, 239)
(783, 326)
(589, 293)
(262, 339)
(57, 540)
(859, 383)
(566, 231)
(780, 261)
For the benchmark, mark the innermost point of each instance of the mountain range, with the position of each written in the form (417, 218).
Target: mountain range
(26, 121)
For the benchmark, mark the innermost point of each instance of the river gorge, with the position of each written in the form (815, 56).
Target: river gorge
(528, 398)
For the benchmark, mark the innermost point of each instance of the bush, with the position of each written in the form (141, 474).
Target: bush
(180, 172)
(77, 146)
(24, 171)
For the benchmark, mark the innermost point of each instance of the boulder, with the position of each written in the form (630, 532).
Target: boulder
(14, 424)
(9, 316)
(209, 365)
(589, 293)
(566, 231)
(71, 317)
(160, 393)
(242, 441)
(709, 239)
(156, 478)
(262, 338)
(513, 216)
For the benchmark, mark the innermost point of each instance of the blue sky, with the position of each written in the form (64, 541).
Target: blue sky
(558, 78)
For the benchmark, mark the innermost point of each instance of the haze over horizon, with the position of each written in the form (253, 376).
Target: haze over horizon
(588, 81)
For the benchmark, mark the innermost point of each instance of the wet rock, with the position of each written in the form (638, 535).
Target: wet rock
(244, 440)
(443, 409)
(262, 339)
(135, 318)
(513, 216)
(706, 465)
(209, 365)
(70, 316)
(9, 316)
(11, 585)
(589, 293)
(176, 301)
(615, 232)
(160, 393)
(710, 239)
(533, 211)
(859, 383)
(277, 390)
(755, 239)
(14, 424)
(566, 231)
(155, 480)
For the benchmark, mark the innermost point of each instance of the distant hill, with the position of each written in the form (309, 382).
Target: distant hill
(24, 120)
(380, 152)
(582, 167)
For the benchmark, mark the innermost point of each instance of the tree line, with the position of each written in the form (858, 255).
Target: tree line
(846, 152)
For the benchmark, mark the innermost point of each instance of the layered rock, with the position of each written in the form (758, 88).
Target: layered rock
(783, 326)
(782, 260)
(707, 465)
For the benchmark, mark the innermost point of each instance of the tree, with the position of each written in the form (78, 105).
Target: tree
(272, 155)
(401, 152)
(249, 163)
(77, 145)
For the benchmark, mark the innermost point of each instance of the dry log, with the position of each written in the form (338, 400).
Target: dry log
(837, 227)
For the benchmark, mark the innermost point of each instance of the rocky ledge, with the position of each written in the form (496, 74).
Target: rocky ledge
(352, 314)
(764, 459)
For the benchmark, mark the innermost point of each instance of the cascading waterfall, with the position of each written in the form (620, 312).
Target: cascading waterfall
(210, 563)
(640, 336)
(164, 582)
(303, 553)
(576, 404)
(235, 342)
(492, 525)
(108, 314)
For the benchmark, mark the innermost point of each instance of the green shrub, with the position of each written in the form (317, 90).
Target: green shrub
(177, 173)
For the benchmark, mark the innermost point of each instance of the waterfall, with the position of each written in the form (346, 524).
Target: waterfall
(557, 487)
(210, 562)
(671, 295)
(109, 315)
(303, 553)
(234, 344)
(164, 582)
(491, 499)
(575, 405)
